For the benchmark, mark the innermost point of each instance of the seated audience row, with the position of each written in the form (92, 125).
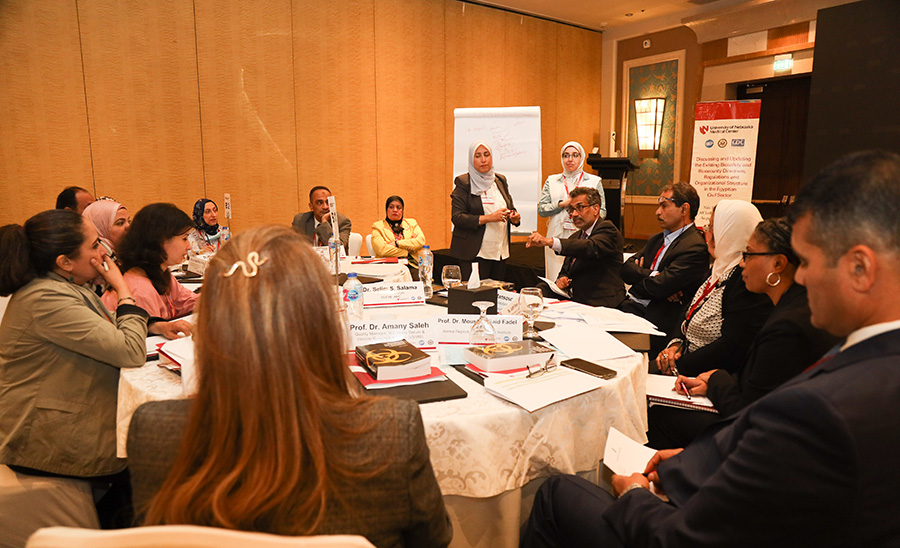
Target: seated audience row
(786, 344)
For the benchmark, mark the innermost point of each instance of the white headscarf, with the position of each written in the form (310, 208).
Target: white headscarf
(579, 169)
(735, 222)
(479, 181)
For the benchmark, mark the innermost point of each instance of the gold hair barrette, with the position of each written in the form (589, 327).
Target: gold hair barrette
(251, 271)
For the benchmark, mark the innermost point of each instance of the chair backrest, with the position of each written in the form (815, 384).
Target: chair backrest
(183, 536)
(355, 245)
(369, 245)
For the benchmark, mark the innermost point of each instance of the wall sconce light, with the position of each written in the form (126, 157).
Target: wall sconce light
(649, 119)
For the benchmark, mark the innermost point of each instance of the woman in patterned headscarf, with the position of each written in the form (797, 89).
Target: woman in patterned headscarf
(207, 236)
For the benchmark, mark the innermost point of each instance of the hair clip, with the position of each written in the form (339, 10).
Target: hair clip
(252, 260)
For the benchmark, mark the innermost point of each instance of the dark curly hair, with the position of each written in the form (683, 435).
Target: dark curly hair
(142, 246)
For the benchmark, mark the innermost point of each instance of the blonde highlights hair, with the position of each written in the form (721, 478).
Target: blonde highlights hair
(261, 447)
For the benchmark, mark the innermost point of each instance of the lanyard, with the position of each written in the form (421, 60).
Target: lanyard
(710, 285)
(565, 184)
(656, 258)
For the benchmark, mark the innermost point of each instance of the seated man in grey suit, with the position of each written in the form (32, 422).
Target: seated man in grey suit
(593, 254)
(667, 272)
(813, 463)
(315, 224)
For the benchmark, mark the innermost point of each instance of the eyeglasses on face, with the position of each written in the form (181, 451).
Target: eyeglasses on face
(578, 207)
(745, 254)
(568, 155)
(663, 199)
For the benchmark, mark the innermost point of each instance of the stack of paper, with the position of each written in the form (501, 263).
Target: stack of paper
(534, 393)
(586, 341)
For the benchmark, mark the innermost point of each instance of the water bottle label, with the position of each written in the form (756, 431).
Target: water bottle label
(351, 295)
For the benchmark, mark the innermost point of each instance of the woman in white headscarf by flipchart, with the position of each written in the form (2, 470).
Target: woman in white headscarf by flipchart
(555, 199)
(482, 211)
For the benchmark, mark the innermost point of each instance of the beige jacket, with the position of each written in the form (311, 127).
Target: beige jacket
(60, 354)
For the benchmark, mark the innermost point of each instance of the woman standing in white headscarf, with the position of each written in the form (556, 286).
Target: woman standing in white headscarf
(723, 317)
(482, 210)
(555, 199)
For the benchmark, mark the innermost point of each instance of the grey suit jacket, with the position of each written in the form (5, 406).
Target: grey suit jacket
(305, 223)
(400, 507)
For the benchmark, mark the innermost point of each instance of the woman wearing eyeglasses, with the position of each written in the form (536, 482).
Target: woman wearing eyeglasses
(555, 199)
(785, 346)
(723, 317)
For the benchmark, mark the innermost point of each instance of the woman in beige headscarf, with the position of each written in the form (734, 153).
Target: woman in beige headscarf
(555, 199)
(111, 220)
(723, 317)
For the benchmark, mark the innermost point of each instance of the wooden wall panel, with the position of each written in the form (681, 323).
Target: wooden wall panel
(409, 69)
(44, 144)
(140, 68)
(247, 109)
(334, 91)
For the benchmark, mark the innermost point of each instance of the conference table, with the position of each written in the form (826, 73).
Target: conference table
(489, 455)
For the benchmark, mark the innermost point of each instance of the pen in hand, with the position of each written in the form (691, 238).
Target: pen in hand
(683, 387)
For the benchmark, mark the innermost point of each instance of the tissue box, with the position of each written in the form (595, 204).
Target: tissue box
(460, 299)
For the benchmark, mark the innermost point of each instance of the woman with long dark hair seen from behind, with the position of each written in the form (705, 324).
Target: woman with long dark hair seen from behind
(60, 355)
(275, 440)
(158, 239)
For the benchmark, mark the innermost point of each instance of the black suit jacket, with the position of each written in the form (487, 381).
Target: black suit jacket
(400, 506)
(465, 210)
(785, 346)
(683, 268)
(593, 266)
(305, 223)
(813, 463)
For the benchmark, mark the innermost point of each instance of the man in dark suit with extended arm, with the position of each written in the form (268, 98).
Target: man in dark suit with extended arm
(315, 224)
(813, 463)
(667, 272)
(593, 254)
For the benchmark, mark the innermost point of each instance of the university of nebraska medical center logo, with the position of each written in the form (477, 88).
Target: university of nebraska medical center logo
(703, 130)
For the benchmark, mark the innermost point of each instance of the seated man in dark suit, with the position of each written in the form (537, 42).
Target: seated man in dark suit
(593, 254)
(667, 272)
(315, 224)
(813, 463)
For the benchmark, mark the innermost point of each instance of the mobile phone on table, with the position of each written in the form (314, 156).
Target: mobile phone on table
(590, 368)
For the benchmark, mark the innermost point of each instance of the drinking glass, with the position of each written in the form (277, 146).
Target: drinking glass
(531, 302)
(450, 276)
(483, 331)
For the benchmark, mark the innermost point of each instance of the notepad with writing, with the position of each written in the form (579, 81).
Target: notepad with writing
(661, 391)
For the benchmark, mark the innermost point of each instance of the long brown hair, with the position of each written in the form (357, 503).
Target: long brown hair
(261, 448)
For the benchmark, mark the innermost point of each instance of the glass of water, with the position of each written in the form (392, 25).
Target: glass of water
(450, 276)
(483, 331)
(531, 302)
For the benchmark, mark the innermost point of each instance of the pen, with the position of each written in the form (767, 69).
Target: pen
(105, 266)
(683, 387)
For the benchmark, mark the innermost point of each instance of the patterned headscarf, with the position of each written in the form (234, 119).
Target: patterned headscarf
(199, 207)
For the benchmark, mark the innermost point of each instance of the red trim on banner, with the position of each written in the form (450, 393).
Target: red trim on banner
(728, 110)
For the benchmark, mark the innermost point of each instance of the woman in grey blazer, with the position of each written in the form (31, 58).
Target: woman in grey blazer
(276, 440)
(482, 211)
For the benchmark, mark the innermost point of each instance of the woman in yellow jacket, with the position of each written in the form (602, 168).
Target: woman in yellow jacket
(395, 236)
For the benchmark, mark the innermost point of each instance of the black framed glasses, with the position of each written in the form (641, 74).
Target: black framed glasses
(579, 208)
(745, 254)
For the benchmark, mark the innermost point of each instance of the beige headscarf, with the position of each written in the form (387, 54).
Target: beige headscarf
(580, 168)
(735, 222)
(479, 181)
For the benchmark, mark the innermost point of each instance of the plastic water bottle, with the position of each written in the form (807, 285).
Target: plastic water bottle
(353, 297)
(225, 234)
(332, 246)
(426, 268)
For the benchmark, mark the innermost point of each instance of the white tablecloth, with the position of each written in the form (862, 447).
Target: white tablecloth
(484, 450)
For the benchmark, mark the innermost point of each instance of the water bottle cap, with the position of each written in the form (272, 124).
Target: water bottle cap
(426, 247)
(351, 275)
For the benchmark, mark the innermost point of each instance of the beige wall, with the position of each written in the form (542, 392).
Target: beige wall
(173, 100)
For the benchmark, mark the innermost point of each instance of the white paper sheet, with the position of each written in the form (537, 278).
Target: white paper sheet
(625, 456)
(554, 287)
(586, 341)
(534, 393)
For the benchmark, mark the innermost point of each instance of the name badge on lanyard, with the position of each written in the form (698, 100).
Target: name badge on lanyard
(486, 199)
